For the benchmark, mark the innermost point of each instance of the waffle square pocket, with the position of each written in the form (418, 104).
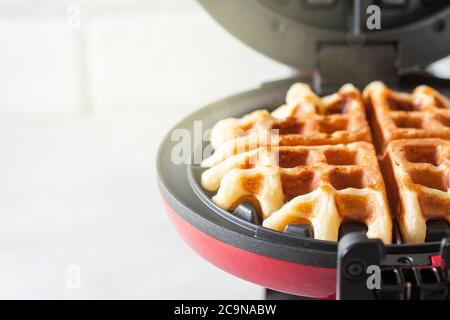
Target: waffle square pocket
(423, 114)
(322, 186)
(418, 173)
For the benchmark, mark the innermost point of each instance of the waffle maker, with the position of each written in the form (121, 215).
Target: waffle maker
(327, 40)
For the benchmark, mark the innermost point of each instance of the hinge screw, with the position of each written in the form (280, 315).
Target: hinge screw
(355, 269)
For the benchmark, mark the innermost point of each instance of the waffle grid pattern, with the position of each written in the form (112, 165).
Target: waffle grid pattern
(321, 167)
(423, 114)
(305, 119)
(322, 186)
(418, 171)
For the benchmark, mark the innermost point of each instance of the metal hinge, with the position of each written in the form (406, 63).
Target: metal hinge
(399, 278)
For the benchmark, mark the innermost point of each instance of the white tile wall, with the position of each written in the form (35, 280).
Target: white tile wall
(176, 60)
(127, 57)
(39, 66)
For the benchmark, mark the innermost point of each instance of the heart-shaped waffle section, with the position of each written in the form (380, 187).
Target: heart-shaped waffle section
(319, 185)
(418, 173)
(305, 119)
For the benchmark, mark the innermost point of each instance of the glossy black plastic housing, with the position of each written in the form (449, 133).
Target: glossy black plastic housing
(293, 33)
(180, 188)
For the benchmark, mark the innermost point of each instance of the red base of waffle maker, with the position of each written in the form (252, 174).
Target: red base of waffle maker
(291, 263)
(296, 279)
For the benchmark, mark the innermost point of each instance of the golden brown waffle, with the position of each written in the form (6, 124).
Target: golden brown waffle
(423, 114)
(418, 176)
(315, 172)
(320, 185)
(305, 119)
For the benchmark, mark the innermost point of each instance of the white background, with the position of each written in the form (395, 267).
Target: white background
(82, 112)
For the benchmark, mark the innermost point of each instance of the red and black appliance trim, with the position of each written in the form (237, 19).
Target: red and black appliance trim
(290, 262)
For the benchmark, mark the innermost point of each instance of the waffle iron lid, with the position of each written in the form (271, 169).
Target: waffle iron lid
(310, 34)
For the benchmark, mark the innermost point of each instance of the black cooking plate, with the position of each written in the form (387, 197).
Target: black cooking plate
(180, 186)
